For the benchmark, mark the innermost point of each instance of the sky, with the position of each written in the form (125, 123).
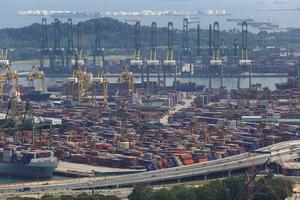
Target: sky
(239, 8)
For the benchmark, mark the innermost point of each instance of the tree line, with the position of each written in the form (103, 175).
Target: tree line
(118, 37)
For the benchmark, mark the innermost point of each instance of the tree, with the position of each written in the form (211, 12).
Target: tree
(50, 197)
(215, 190)
(185, 193)
(235, 185)
(141, 192)
(164, 194)
(67, 197)
(283, 188)
(83, 196)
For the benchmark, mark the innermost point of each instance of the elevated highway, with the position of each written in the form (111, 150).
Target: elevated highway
(275, 153)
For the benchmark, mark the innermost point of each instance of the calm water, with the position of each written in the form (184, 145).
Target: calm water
(230, 83)
(238, 9)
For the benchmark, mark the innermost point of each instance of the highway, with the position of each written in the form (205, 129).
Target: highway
(282, 151)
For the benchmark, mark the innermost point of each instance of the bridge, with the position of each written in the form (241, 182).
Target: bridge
(276, 153)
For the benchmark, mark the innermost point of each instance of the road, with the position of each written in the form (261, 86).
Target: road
(178, 107)
(281, 151)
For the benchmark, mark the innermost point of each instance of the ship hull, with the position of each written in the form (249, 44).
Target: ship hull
(26, 171)
(35, 96)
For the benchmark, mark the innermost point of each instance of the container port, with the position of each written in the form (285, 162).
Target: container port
(94, 127)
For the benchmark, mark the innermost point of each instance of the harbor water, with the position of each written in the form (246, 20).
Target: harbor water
(229, 83)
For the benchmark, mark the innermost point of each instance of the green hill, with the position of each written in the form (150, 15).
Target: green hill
(118, 37)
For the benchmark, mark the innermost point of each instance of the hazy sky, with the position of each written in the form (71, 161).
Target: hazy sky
(10, 18)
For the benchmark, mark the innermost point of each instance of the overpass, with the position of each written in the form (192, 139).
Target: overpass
(278, 152)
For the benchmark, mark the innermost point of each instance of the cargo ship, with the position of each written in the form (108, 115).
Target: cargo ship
(290, 84)
(35, 96)
(27, 93)
(240, 20)
(18, 161)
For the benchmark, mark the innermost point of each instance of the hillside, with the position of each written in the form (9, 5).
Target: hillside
(118, 37)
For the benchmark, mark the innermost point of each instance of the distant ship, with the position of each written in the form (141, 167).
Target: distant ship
(262, 25)
(290, 84)
(35, 96)
(213, 12)
(18, 161)
(239, 20)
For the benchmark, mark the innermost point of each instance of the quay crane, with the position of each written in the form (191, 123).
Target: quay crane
(79, 80)
(244, 60)
(4, 57)
(186, 53)
(137, 62)
(98, 81)
(153, 62)
(8, 76)
(170, 61)
(98, 54)
(98, 62)
(39, 75)
(126, 77)
(80, 58)
(216, 60)
(2, 81)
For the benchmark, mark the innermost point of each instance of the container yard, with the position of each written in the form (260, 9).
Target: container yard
(136, 136)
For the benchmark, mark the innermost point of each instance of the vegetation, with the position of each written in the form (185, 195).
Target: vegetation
(118, 37)
(262, 189)
(267, 188)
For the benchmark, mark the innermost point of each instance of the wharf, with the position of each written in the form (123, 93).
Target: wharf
(83, 170)
(245, 75)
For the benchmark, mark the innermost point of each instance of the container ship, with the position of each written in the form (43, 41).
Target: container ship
(290, 84)
(30, 94)
(18, 161)
(35, 96)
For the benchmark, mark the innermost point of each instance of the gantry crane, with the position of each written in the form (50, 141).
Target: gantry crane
(79, 80)
(204, 130)
(10, 74)
(39, 75)
(186, 54)
(170, 62)
(4, 57)
(98, 81)
(244, 60)
(98, 54)
(57, 63)
(80, 60)
(216, 60)
(2, 81)
(10, 77)
(12, 117)
(45, 51)
(136, 63)
(153, 62)
(71, 51)
(17, 122)
(126, 77)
